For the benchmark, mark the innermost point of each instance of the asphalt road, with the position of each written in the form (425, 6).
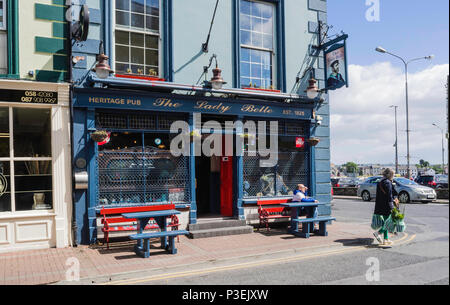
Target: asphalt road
(422, 257)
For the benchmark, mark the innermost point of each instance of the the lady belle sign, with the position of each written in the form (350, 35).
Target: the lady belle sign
(336, 66)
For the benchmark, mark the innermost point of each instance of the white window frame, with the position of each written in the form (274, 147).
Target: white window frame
(12, 159)
(4, 27)
(140, 31)
(274, 44)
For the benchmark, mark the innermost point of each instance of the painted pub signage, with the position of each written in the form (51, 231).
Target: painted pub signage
(177, 104)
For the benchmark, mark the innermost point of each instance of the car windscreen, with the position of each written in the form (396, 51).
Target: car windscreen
(442, 179)
(404, 181)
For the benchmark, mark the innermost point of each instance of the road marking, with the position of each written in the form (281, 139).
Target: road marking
(246, 265)
(233, 267)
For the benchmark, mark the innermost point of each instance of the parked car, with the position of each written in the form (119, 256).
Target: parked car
(434, 181)
(441, 181)
(344, 182)
(407, 190)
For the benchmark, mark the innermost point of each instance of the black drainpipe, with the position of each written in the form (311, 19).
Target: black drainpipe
(70, 81)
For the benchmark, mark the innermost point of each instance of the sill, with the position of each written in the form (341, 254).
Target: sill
(27, 214)
(9, 76)
(142, 77)
(260, 89)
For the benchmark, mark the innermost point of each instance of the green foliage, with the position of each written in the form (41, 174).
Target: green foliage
(351, 167)
(396, 215)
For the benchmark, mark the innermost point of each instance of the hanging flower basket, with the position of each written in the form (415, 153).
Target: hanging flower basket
(99, 136)
(313, 141)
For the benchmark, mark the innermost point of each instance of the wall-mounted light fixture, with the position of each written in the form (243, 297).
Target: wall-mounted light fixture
(102, 68)
(216, 81)
(312, 91)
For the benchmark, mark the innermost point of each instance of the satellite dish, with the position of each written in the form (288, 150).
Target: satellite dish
(80, 29)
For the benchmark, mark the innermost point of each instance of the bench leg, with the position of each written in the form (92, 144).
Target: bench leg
(323, 228)
(147, 248)
(306, 229)
(107, 240)
(173, 249)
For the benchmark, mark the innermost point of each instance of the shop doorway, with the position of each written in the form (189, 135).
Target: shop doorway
(214, 185)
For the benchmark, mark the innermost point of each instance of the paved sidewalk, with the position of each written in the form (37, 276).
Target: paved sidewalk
(49, 265)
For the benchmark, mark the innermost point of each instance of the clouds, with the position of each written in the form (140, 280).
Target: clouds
(362, 124)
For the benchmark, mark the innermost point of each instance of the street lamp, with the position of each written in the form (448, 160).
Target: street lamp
(396, 139)
(406, 63)
(442, 133)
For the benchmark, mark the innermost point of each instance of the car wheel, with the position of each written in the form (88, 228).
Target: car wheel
(365, 196)
(403, 197)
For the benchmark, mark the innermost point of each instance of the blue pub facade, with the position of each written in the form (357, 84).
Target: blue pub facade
(162, 58)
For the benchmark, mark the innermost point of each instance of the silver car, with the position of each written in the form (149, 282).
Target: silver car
(407, 190)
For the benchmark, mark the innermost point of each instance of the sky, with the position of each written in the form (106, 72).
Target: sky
(362, 124)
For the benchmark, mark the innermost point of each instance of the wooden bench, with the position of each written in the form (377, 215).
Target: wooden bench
(145, 250)
(276, 212)
(113, 221)
(309, 227)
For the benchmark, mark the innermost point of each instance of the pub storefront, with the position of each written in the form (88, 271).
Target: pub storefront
(135, 165)
(35, 173)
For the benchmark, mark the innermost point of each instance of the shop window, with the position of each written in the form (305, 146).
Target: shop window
(262, 179)
(137, 37)
(4, 132)
(25, 159)
(137, 168)
(32, 132)
(257, 44)
(33, 185)
(5, 187)
(123, 141)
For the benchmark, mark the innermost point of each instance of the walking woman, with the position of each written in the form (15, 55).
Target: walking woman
(386, 198)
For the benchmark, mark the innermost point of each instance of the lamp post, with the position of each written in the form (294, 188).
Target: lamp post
(406, 63)
(443, 151)
(396, 139)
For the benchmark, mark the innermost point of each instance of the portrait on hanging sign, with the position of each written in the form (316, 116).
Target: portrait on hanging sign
(336, 67)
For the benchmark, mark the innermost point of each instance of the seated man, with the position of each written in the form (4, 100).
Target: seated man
(300, 194)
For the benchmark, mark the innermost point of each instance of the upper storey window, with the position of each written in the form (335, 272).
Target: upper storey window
(257, 44)
(137, 37)
(2, 15)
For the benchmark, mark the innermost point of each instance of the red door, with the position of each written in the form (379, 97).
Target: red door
(226, 186)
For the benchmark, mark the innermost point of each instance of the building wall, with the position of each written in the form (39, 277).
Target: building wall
(44, 228)
(43, 46)
(35, 44)
(183, 63)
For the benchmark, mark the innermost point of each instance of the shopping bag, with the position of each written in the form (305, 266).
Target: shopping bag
(377, 222)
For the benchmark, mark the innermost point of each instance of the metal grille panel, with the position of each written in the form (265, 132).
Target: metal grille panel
(136, 178)
(111, 121)
(292, 169)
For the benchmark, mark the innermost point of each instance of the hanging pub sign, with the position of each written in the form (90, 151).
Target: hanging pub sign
(29, 96)
(335, 58)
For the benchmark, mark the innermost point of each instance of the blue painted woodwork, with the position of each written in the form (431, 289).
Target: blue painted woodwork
(151, 214)
(144, 250)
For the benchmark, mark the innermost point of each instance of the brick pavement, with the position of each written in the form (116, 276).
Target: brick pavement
(49, 265)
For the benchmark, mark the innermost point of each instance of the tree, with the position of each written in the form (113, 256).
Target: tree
(351, 167)
(423, 164)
